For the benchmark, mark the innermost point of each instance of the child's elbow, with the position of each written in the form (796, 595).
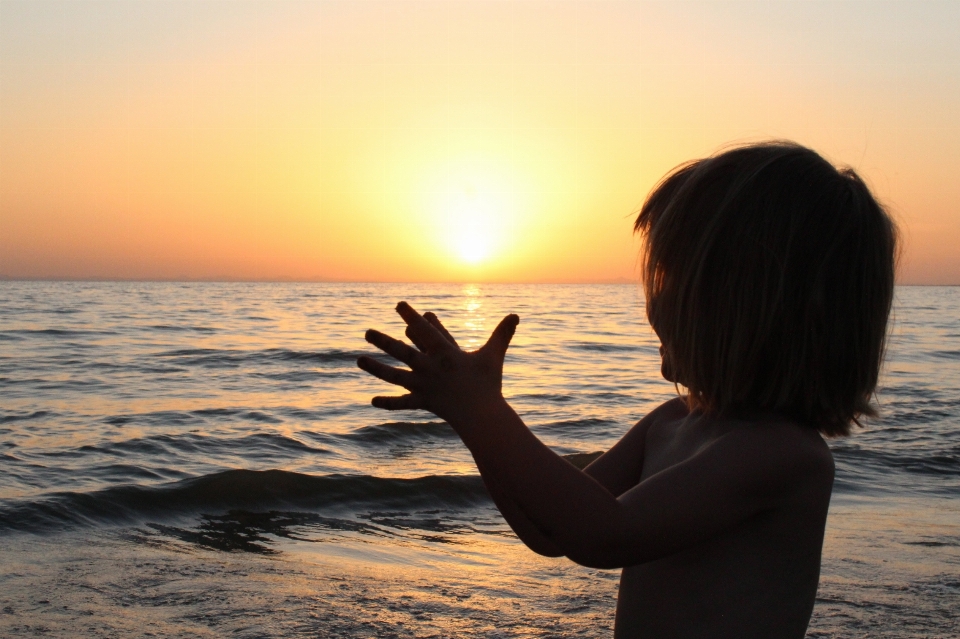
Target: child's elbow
(543, 546)
(600, 561)
(608, 552)
(604, 556)
(604, 547)
(547, 551)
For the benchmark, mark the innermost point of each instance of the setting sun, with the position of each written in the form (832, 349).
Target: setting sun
(472, 217)
(474, 211)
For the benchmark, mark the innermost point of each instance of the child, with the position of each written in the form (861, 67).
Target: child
(769, 277)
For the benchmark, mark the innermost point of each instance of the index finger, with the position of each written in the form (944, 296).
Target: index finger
(424, 331)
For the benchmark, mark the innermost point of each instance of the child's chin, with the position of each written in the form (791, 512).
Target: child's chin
(667, 371)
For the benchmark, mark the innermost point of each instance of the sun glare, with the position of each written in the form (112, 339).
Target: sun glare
(472, 217)
(473, 208)
(475, 220)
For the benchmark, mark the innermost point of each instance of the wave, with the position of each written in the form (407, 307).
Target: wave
(870, 471)
(54, 332)
(578, 429)
(299, 375)
(242, 414)
(251, 491)
(553, 398)
(232, 358)
(204, 415)
(166, 446)
(944, 462)
(22, 417)
(182, 329)
(575, 425)
(603, 347)
(946, 354)
(256, 532)
(390, 432)
(900, 403)
(244, 490)
(399, 431)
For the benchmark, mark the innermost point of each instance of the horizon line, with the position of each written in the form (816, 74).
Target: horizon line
(109, 280)
(240, 280)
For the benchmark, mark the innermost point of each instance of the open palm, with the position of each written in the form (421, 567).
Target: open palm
(442, 378)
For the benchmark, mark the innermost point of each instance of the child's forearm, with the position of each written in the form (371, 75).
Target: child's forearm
(566, 507)
(525, 529)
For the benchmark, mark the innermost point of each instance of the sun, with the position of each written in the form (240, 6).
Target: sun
(471, 211)
(475, 222)
(472, 218)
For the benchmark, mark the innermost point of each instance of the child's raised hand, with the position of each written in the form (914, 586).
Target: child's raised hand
(443, 378)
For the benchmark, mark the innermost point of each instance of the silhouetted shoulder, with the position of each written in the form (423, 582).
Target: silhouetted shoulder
(676, 408)
(783, 455)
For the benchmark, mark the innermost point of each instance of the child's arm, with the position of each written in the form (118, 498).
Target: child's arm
(525, 529)
(522, 527)
(620, 468)
(727, 482)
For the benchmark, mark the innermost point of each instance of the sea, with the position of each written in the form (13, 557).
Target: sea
(202, 460)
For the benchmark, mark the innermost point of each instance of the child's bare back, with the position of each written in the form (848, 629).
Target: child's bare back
(758, 578)
(768, 277)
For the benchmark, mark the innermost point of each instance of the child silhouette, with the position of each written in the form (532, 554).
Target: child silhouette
(768, 276)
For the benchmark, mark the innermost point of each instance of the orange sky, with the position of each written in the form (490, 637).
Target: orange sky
(449, 140)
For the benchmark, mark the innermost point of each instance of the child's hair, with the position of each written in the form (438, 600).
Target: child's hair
(769, 278)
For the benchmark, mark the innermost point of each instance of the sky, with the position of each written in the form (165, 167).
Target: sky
(362, 140)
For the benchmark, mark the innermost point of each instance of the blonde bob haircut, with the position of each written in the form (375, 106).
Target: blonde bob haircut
(769, 277)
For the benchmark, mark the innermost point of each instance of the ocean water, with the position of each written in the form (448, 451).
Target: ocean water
(201, 460)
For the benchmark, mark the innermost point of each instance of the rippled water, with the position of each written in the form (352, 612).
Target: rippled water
(202, 459)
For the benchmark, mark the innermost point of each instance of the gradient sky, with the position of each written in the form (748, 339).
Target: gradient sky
(449, 140)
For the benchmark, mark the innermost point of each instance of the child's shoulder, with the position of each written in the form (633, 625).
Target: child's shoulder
(771, 448)
(769, 431)
(664, 416)
(781, 461)
(780, 439)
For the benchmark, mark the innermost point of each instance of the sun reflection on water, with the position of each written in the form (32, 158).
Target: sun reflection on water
(475, 321)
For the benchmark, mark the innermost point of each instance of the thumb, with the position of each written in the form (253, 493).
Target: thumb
(502, 334)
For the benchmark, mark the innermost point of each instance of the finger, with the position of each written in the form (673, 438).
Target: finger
(394, 347)
(501, 336)
(403, 402)
(430, 337)
(386, 372)
(435, 322)
(412, 336)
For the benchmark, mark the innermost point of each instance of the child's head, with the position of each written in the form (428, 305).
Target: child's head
(769, 278)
